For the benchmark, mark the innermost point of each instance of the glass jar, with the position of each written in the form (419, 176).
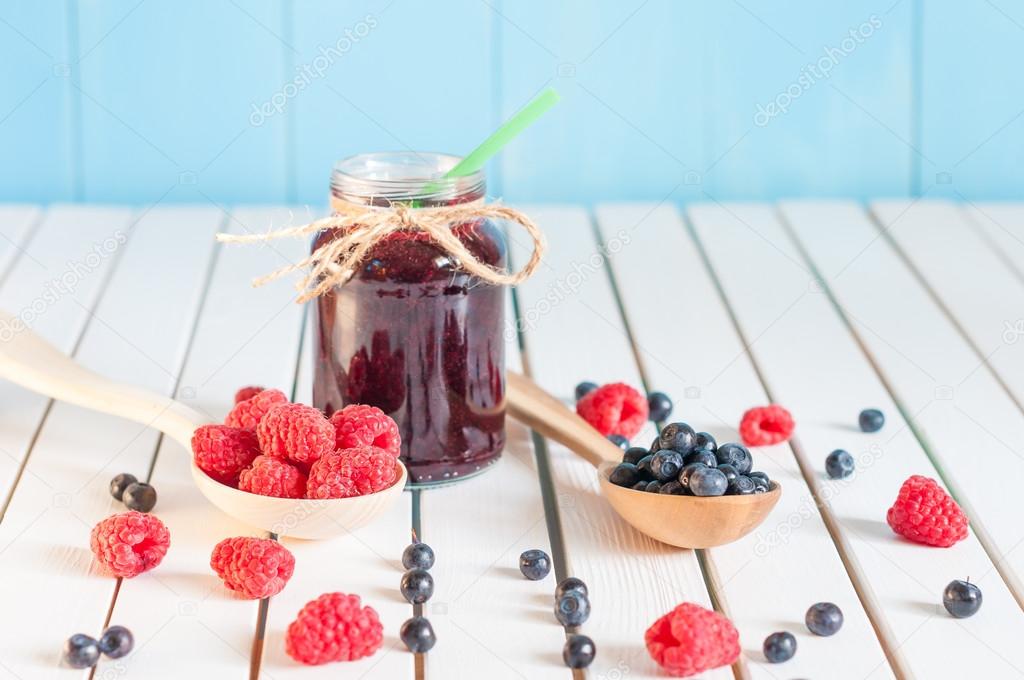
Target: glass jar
(411, 333)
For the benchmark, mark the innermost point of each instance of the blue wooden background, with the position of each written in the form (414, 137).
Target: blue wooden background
(252, 100)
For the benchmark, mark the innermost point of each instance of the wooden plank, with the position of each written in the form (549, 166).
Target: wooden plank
(1002, 226)
(569, 301)
(714, 383)
(813, 365)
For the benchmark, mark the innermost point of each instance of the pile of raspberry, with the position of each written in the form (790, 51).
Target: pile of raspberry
(272, 447)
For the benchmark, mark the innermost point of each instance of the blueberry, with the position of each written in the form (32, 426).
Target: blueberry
(535, 564)
(81, 651)
(672, 488)
(640, 486)
(568, 584)
(418, 556)
(742, 486)
(624, 474)
(119, 483)
(139, 496)
(736, 455)
(762, 478)
(579, 651)
(584, 388)
(666, 465)
(659, 406)
(703, 440)
(634, 455)
(871, 420)
(418, 635)
(730, 473)
(678, 437)
(961, 599)
(702, 456)
(619, 441)
(653, 487)
(687, 471)
(779, 647)
(706, 481)
(839, 464)
(417, 586)
(824, 618)
(644, 467)
(116, 641)
(572, 608)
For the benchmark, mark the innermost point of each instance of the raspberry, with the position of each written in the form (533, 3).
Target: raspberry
(247, 414)
(766, 425)
(255, 567)
(925, 513)
(248, 392)
(129, 543)
(690, 640)
(222, 451)
(297, 432)
(364, 425)
(270, 476)
(333, 627)
(351, 472)
(615, 408)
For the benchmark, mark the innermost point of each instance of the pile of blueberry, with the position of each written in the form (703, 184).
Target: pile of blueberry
(417, 587)
(134, 494)
(83, 651)
(572, 607)
(683, 462)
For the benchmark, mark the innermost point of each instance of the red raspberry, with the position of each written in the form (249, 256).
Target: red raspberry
(333, 627)
(766, 425)
(255, 567)
(690, 640)
(351, 472)
(129, 543)
(297, 432)
(925, 513)
(247, 414)
(270, 476)
(248, 392)
(222, 452)
(364, 425)
(615, 408)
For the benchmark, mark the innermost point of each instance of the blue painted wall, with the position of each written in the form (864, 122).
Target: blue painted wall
(252, 100)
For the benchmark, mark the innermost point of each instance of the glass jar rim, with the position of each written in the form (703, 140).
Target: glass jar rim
(392, 176)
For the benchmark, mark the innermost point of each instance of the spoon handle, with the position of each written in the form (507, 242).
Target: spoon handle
(30, 361)
(531, 405)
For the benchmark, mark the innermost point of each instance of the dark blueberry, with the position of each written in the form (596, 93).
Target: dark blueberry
(81, 651)
(644, 467)
(871, 420)
(703, 440)
(666, 465)
(961, 599)
(572, 608)
(672, 488)
(708, 481)
(839, 464)
(120, 483)
(779, 647)
(634, 455)
(653, 487)
(640, 486)
(417, 586)
(584, 388)
(116, 641)
(684, 474)
(742, 486)
(418, 556)
(824, 618)
(736, 455)
(678, 437)
(659, 406)
(535, 564)
(762, 477)
(140, 496)
(619, 441)
(702, 456)
(624, 474)
(579, 651)
(418, 635)
(730, 473)
(568, 584)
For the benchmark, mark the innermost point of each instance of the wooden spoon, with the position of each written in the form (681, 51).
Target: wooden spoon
(683, 521)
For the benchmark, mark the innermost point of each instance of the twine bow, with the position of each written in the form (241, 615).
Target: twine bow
(361, 227)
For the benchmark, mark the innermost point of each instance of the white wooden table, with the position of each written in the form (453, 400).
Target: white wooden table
(916, 308)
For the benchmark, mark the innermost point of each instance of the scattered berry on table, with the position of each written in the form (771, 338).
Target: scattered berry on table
(702, 456)
(116, 641)
(779, 647)
(247, 414)
(572, 608)
(839, 464)
(730, 472)
(296, 432)
(334, 627)
(535, 564)
(269, 476)
(634, 455)
(624, 474)
(678, 437)
(615, 408)
(871, 420)
(961, 599)
(579, 651)
(653, 487)
(619, 441)
(659, 406)
(766, 425)
(253, 567)
(703, 440)
(584, 388)
(644, 466)
(222, 452)
(666, 465)
(690, 640)
(140, 497)
(418, 555)
(364, 425)
(129, 543)
(418, 635)
(81, 651)
(687, 471)
(571, 583)
(707, 481)
(743, 486)
(924, 513)
(247, 392)
(735, 455)
(119, 483)
(417, 586)
(824, 618)
(351, 472)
